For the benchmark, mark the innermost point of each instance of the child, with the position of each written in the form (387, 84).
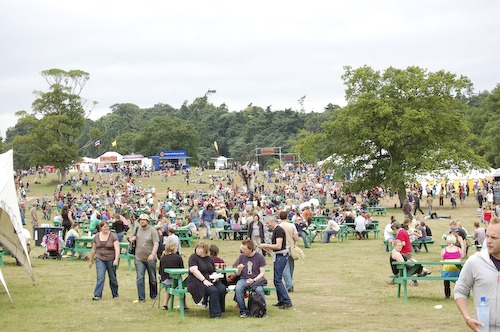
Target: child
(169, 259)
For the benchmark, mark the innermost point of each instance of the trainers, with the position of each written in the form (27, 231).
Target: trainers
(244, 315)
(290, 290)
(138, 301)
(96, 298)
(279, 304)
(390, 282)
(285, 306)
(415, 283)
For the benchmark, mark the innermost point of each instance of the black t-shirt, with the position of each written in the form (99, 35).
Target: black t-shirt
(169, 261)
(279, 232)
(496, 262)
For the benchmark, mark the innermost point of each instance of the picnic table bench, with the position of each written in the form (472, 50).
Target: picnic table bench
(179, 290)
(350, 229)
(82, 245)
(407, 269)
(184, 236)
(377, 210)
(413, 244)
(3, 253)
(237, 234)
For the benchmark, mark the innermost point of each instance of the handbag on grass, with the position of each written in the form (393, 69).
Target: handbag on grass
(296, 252)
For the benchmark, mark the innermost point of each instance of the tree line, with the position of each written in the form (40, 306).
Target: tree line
(396, 121)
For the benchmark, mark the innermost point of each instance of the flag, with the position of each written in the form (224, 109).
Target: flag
(97, 143)
(113, 143)
(216, 147)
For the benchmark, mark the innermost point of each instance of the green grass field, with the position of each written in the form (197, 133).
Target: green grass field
(338, 286)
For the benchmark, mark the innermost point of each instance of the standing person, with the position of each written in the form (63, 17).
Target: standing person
(292, 236)
(251, 268)
(146, 246)
(67, 219)
(441, 196)
(406, 209)
(479, 235)
(429, 201)
(106, 249)
(417, 205)
(450, 253)
(200, 282)
(480, 274)
(280, 254)
(119, 227)
(256, 232)
(480, 198)
(207, 218)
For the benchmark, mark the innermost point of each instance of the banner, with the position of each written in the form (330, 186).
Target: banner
(267, 151)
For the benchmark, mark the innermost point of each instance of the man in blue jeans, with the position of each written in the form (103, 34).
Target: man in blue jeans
(251, 268)
(146, 246)
(280, 254)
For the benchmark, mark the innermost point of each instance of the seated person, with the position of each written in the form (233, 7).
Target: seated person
(302, 227)
(169, 259)
(74, 233)
(191, 226)
(250, 268)
(397, 256)
(172, 237)
(332, 228)
(202, 280)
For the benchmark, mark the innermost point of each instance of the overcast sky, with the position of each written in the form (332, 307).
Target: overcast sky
(260, 52)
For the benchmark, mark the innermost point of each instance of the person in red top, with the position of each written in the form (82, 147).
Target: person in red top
(405, 239)
(488, 213)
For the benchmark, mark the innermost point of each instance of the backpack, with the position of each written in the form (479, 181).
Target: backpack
(70, 242)
(256, 305)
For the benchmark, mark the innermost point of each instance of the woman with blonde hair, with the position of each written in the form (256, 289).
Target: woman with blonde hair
(169, 259)
(450, 253)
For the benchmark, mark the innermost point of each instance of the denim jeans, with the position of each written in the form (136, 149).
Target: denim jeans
(141, 267)
(120, 236)
(327, 235)
(216, 299)
(279, 265)
(101, 267)
(302, 234)
(288, 272)
(207, 225)
(241, 288)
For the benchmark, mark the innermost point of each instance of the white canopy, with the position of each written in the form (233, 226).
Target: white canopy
(110, 157)
(11, 234)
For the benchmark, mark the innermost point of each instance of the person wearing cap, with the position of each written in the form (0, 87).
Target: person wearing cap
(460, 242)
(146, 246)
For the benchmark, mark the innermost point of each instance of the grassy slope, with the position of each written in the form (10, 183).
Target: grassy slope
(338, 286)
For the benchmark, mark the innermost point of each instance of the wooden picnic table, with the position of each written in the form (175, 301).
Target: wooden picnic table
(407, 269)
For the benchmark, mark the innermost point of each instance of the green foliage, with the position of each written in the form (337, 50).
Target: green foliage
(401, 123)
(49, 135)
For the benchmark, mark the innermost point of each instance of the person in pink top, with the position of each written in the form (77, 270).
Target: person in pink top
(450, 253)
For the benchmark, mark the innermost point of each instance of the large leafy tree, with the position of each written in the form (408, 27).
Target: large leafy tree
(491, 135)
(57, 119)
(400, 123)
(166, 133)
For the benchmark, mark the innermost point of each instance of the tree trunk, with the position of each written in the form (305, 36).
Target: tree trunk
(62, 171)
(401, 194)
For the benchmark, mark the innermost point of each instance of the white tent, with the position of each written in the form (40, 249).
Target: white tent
(11, 234)
(110, 157)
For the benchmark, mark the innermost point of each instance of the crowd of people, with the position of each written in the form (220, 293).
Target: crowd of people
(275, 216)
